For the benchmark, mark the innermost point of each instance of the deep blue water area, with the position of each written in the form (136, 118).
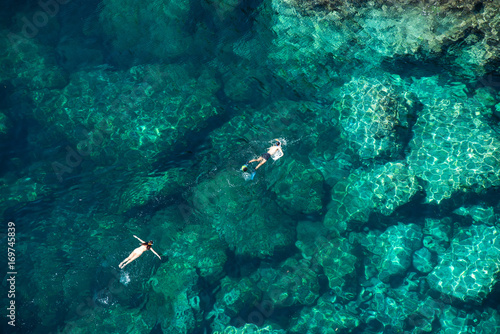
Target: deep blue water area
(126, 120)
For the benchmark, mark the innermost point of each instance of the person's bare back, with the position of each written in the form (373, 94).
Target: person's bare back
(138, 252)
(271, 150)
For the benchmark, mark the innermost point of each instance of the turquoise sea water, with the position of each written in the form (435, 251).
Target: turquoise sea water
(123, 118)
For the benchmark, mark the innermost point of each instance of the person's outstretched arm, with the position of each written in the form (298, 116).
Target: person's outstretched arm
(139, 239)
(156, 253)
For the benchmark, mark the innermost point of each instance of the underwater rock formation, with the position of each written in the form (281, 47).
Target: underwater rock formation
(27, 64)
(437, 234)
(292, 283)
(479, 214)
(167, 30)
(453, 147)
(237, 295)
(186, 313)
(243, 80)
(325, 317)
(466, 32)
(395, 308)
(132, 26)
(338, 262)
(312, 46)
(224, 7)
(454, 320)
(142, 189)
(311, 235)
(470, 268)
(235, 212)
(380, 190)
(5, 125)
(418, 312)
(144, 110)
(113, 319)
(20, 191)
(299, 188)
(490, 318)
(250, 329)
(174, 296)
(376, 117)
(392, 251)
(209, 262)
(423, 261)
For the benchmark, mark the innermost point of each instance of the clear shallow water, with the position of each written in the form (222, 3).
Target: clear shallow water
(122, 119)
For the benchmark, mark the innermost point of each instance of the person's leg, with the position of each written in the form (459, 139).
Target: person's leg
(131, 258)
(121, 265)
(261, 163)
(134, 255)
(254, 160)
